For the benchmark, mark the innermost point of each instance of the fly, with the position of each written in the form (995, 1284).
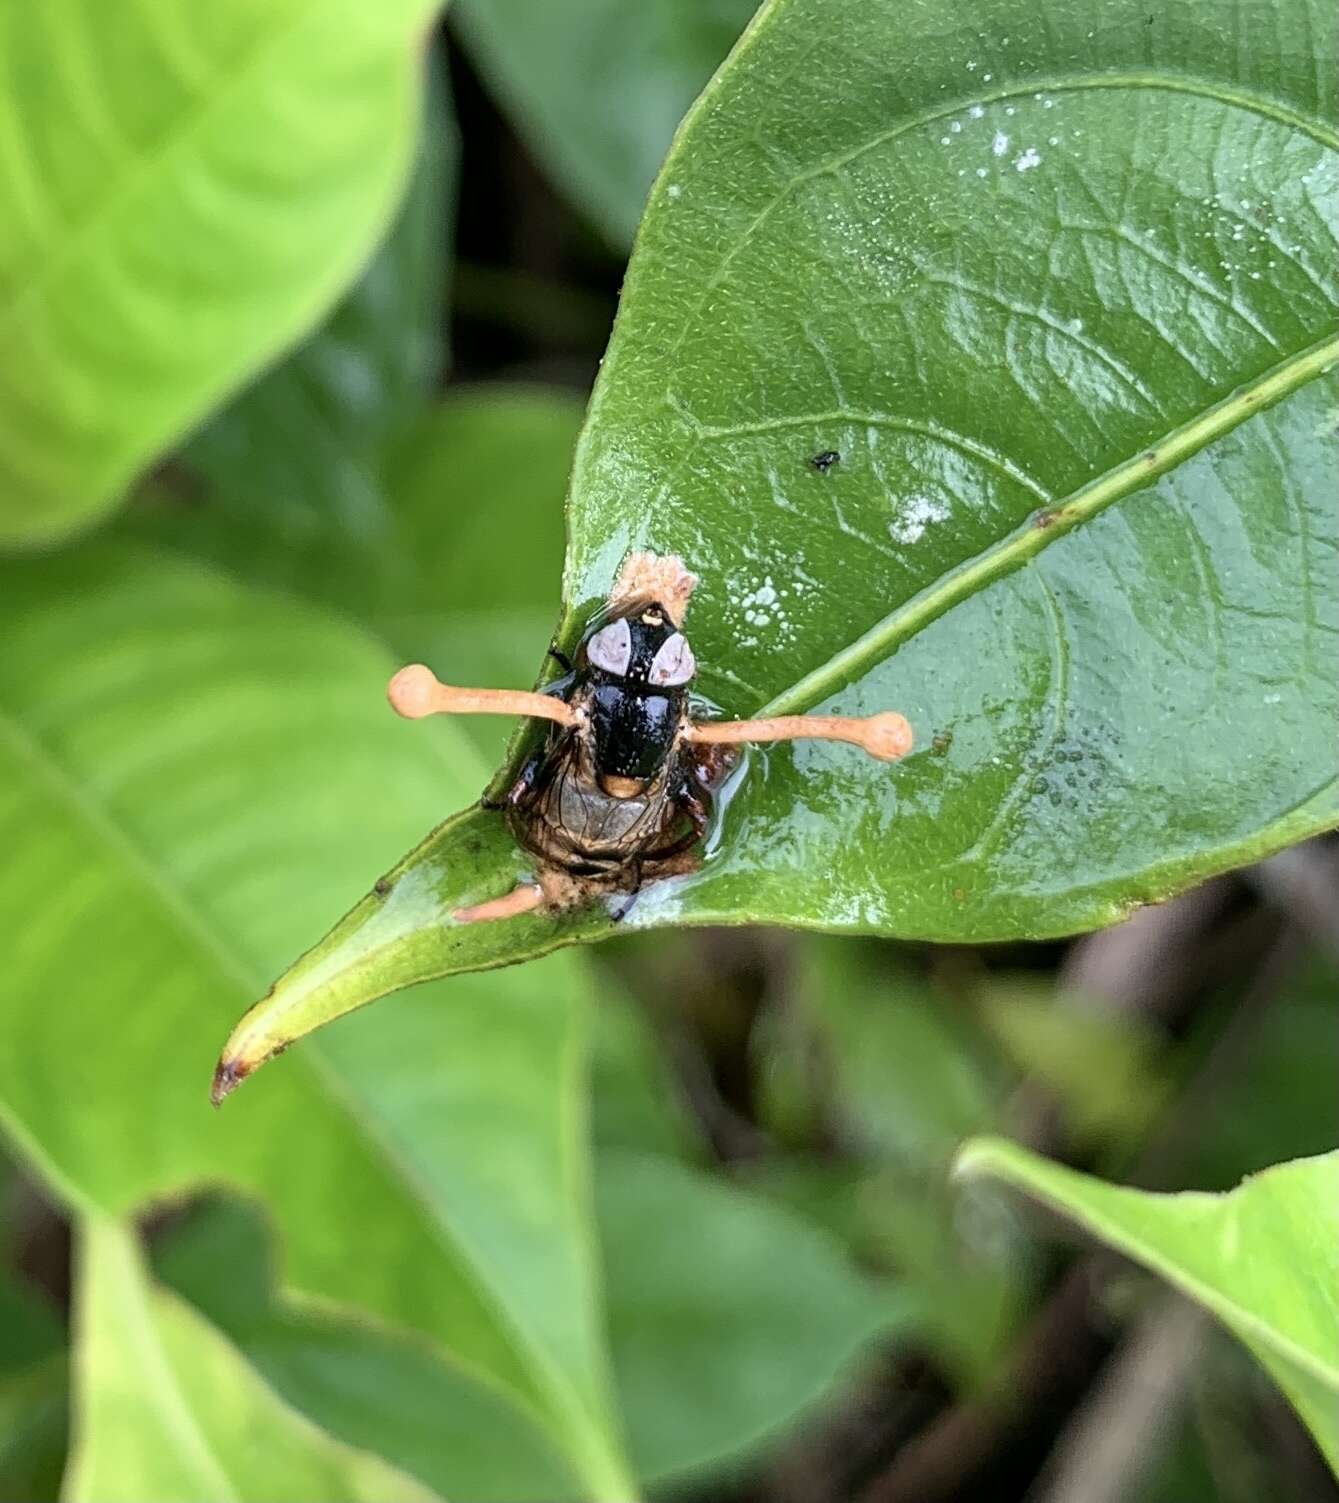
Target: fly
(620, 793)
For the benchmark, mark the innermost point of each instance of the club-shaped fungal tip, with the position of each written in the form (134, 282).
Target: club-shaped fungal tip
(888, 736)
(412, 691)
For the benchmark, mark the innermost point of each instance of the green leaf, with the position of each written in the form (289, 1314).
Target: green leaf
(597, 87)
(379, 1390)
(1263, 1258)
(34, 1404)
(905, 1081)
(907, 1073)
(727, 1314)
(1283, 1105)
(1034, 274)
(179, 202)
(1082, 523)
(454, 552)
(202, 774)
(1103, 1067)
(169, 1409)
(297, 456)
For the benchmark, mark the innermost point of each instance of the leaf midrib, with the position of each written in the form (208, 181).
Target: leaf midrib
(196, 929)
(1041, 529)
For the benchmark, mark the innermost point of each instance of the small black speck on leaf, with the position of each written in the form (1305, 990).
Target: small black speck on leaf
(941, 743)
(824, 462)
(381, 886)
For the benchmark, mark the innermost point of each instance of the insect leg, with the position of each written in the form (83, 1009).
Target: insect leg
(617, 915)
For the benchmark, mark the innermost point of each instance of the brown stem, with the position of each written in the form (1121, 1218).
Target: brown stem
(886, 736)
(416, 691)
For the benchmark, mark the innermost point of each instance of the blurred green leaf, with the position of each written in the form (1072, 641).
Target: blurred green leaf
(33, 1376)
(458, 564)
(635, 1100)
(1102, 1067)
(903, 1065)
(379, 1390)
(169, 1410)
(1280, 1103)
(192, 776)
(727, 1314)
(29, 1328)
(1263, 1258)
(180, 200)
(34, 1401)
(987, 256)
(597, 87)
(904, 1080)
(292, 467)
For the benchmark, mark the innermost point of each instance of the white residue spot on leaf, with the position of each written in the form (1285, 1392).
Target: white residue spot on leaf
(673, 190)
(1000, 144)
(976, 111)
(918, 512)
(762, 606)
(1029, 159)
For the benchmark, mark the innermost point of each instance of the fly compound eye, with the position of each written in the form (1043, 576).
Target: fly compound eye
(673, 664)
(611, 648)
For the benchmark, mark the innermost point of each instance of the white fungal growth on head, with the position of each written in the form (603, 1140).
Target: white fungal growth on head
(918, 513)
(653, 579)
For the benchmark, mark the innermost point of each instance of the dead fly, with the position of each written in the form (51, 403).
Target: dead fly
(620, 792)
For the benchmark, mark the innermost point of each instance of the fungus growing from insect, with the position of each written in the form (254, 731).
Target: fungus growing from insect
(620, 792)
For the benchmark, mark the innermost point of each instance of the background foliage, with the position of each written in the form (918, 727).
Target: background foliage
(687, 1212)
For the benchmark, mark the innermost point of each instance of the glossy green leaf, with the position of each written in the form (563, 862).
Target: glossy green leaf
(168, 1409)
(192, 777)
(184, 193)
(598, 86)
(727, 1314)
(1263, 1258)
(1082, 525)
(1033, 273)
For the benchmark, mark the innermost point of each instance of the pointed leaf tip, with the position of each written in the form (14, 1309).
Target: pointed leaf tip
(228, 1075)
